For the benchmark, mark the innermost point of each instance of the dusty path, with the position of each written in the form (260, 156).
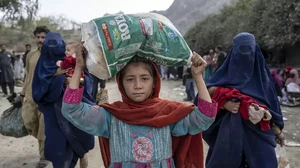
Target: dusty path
(23, 152)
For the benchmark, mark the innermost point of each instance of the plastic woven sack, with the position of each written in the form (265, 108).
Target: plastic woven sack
(293, 88)
(11, 123)
(283, 161)
(112, 41)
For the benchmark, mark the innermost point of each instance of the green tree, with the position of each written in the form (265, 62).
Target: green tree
(221, 28)
(282, 23)
(276, 25)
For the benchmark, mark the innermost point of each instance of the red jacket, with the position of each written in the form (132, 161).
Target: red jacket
(222, 95)
(68, 62)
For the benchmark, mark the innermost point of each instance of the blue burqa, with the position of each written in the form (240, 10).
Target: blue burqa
(231, 139)
(64, 142)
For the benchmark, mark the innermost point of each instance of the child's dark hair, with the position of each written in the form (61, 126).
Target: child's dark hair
(41, 29)
(148, 65)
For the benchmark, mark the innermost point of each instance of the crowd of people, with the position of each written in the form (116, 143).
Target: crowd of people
(213, 58)
(236, 110)
(17, 70)
(12, 66)
(287, 83)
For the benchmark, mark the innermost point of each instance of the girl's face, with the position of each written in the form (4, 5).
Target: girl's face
(137, 82)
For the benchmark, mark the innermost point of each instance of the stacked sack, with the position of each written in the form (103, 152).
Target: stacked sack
(112, 41)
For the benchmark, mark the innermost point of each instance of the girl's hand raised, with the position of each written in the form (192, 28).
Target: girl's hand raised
(198, 66)
(80, 56)
(80, 65)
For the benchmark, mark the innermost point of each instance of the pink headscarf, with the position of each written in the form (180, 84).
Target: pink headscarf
(277, 78)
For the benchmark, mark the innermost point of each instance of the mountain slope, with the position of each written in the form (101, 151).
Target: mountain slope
(185, 13)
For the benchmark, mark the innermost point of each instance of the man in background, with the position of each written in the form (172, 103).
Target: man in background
(28, 49)
(6, 71)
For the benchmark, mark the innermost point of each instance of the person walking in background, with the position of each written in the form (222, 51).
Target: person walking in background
(99, 94)
(6, 71)
(171, 73)
(189, 84)
(209, 68)
(180, 72)
(12, 58)
(163, 71)
(27, 50)
(18, 70)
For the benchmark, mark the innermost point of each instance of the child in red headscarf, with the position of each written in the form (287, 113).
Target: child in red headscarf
(143, 130)
(287, 72)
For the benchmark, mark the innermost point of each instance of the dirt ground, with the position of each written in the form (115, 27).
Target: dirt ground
(23, 152)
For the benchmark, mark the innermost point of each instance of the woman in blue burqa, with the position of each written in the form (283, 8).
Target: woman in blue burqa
(249, 119)
(64, 142)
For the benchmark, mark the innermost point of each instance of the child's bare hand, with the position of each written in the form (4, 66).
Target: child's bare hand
(198, 66)
(232, 106)
(58, 63)
(280, 138)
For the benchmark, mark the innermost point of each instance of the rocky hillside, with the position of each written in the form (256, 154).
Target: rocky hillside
(184, 13)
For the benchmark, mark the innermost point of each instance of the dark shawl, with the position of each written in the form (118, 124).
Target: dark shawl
(6, 69)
